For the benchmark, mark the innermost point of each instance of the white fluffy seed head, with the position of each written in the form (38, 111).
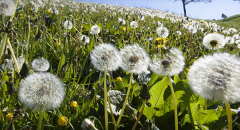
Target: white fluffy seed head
(105, 56)
(85, 39)
(10, 63)
(88, 125)
(134, 59)
(214, 41)
(216, 77)
(95, 29)
(41, 89)
(162, 32)
(40, 64)
(68, 25)
(7, 7)
(171, 65)
(134, 24)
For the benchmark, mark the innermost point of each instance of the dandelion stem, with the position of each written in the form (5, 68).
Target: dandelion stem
(113, 119)
(40, 118)
(3, 44)
(205, 104)
(13, 56)
(174, 103)
(135, 125)
(105, 99)
(125, 102)
(229, 115)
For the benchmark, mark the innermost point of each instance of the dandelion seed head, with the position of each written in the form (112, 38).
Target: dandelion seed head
(214, 41)
(134, 24)
(68, 25)
(85, 39)
(95, 29)
(41, 89)
(105, 56)
(162, 32)
(171, 65)
(216, 77)
(134, 59)
(6, 7)
(40, 64)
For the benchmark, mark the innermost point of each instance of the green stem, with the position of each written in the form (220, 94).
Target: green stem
(205, 104)
(174, 103)
(40, 118)
(3, 44)
(13, 56)
(105, 99)
(232, 122)
(113, 119)
(229, 115)
(135, 125)
(125, 102)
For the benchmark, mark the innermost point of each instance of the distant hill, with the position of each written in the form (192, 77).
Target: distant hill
(235, 18)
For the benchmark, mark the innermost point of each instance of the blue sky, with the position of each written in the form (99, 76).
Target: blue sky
(199, 10)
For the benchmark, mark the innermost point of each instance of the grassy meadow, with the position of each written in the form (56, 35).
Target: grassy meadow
(61, 32)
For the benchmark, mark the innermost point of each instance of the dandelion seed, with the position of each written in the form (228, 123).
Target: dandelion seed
(216, 77)
(41, 89)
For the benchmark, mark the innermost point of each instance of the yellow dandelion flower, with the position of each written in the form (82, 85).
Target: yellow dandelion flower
(31, 9)
(187, 70)
(119, 79)
(48, 10)
(21, 17)
(215, 32)
(200, 21)
(62, 121)
(205, 23)
(59, 42)
(29, 16)
(160, 46)
(74, 104)
(189, 24)
(20, 14)
(217, 50)
(9, 116)
(124, 29)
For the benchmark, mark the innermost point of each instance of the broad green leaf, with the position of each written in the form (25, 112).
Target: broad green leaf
(154, 79)
(207, 116)
(87, 26)
(109, 24)
(157, 92)
(176, 79)
(148, 112)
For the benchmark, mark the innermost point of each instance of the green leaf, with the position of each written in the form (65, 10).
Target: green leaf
(157, 92)
(154, 79)
(148, 112)
(109, 24)
(63, 60)
(87, 26)
(176, 79)
(207, 116)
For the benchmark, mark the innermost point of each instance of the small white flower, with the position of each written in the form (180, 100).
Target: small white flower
(40, 64)
(214, 41)
(134, 59)
(95, 29)
(121, 21)
(7, 7)
(179, 33)
(68, 25)
(134, 24)
(216, 77)
(85, 39)
(88, 125)
(105, 56)
(41, 89)
(171, 65)
(162, 32)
